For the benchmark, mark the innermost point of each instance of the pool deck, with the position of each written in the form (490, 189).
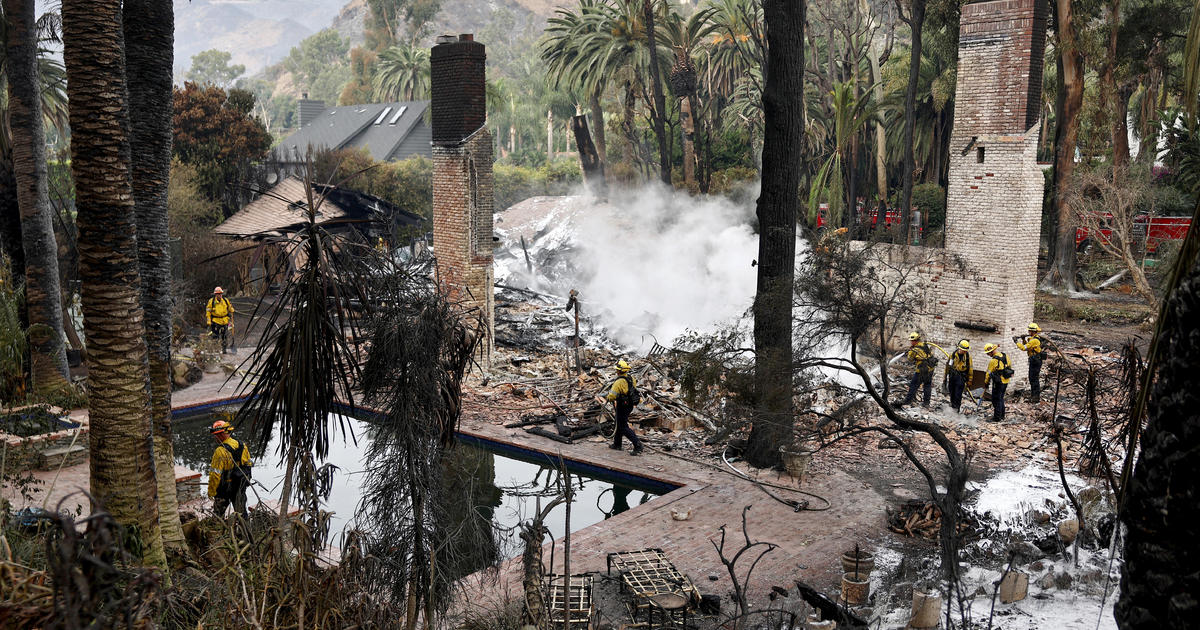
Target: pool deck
(808, 543)
(60, 488)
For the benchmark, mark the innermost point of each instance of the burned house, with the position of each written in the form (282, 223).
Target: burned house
(283, 209)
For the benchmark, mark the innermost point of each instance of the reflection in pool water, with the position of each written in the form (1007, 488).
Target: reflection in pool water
(495, 488)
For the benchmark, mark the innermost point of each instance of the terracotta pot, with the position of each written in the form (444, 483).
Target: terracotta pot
(795, 462)
(926, 609)
(856, 587)
(866, 562)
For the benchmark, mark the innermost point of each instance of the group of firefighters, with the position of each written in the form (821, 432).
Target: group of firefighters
(959, 369)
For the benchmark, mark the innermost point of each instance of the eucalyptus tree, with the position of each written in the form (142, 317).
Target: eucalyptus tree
(121, 455)
(43, 295)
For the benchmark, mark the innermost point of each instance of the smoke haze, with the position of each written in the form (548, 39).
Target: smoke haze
(649, 264)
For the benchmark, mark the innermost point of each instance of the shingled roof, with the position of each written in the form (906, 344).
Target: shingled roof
(388, 131)
(283, 208)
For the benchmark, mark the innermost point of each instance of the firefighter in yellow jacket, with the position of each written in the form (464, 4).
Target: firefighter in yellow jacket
(219, 315)
(1035, 347)
(999, 373)
(230, 471)
(958, 372)
(624, 396)
(924, 363)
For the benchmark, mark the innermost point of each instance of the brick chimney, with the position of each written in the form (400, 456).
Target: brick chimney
(308, 109)
(458, 82)
(994, 192)
(462, 178)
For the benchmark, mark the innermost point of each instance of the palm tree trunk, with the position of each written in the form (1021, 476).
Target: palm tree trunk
(1061, 272)
(688, 127)
(783, 157)
(660, 103)
(121, 449)
(43, 296)
(149, 35)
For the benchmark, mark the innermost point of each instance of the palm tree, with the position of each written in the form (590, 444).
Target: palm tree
(43, 295)
(561, 51)
(851, 115)
(149, 25)
(121, 456)
(686, 37)
(603, 41)
(402, 73)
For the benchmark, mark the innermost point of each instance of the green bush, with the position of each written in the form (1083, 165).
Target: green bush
(734, 182)
(931, 198)
(513, 184)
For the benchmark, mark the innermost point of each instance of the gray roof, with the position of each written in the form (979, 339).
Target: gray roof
(373, 126)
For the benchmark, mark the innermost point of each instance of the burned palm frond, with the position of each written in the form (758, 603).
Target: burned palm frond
(421, 345)
(307, 363)
(96, 581)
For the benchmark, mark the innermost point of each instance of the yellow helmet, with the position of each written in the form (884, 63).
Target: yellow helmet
(220, 426)
(964, 344)
(622, 366)
(990, 348)
(914, 335)
(1034, 327)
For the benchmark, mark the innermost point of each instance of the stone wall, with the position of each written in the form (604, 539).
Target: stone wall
(462, 179)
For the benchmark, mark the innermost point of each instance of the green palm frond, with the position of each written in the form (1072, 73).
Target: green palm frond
(402, 74)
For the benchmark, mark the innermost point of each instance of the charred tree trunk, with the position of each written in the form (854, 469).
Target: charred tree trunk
(1162, 507)
(688, 128)
(783, 154)
(10, 218)
(915, 21)
(598, 120)
(589, 159)
(1061, 272)
(703, 147)
(660, 103)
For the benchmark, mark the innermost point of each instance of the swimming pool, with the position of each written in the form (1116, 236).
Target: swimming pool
(498, 482)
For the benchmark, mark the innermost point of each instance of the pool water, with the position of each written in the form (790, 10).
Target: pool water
(504, 488)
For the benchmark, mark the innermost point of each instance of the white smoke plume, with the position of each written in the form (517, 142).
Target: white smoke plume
(649, 264)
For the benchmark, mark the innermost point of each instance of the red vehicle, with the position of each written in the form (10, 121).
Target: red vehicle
(1148, 232)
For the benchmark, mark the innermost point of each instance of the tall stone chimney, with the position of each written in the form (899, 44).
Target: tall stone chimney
(994, 193)
(462, 178)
